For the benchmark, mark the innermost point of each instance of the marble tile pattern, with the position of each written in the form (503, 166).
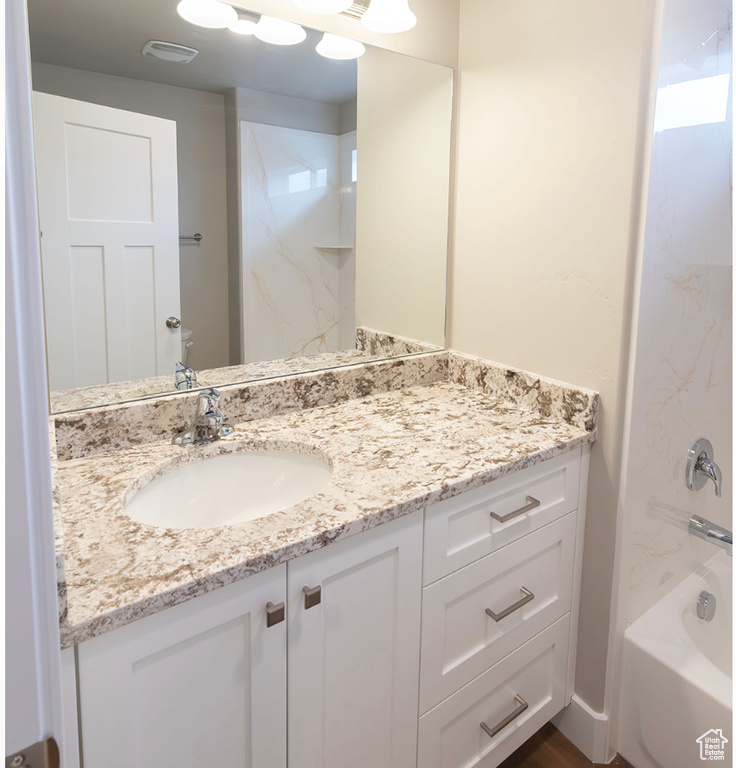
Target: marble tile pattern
(682, 384)
(66, 400)
(552, 399)
(100, 430)
(290, 189)
(392, 453)
(384, 344)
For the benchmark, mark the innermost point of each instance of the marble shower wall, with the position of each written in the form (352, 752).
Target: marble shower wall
(346, 280)
(682, 364)
(291, 222)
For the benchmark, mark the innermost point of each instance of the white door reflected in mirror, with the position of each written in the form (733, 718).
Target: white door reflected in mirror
(107, 191)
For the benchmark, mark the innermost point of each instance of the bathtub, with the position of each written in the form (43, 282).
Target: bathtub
(677, 677)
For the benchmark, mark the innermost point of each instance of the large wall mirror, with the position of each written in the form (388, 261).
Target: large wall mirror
(319, 187)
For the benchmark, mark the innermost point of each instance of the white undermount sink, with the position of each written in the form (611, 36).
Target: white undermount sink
(229, 488)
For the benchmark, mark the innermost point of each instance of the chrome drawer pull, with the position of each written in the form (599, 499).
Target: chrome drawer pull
(508, 719)
(533, 504)
(312, 597)
(275, 614)
(528, 597)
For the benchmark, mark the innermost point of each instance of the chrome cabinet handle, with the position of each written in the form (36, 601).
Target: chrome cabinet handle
(508, 719)
(312, 597)
(528, 597)
(275, 614)
(533, 504)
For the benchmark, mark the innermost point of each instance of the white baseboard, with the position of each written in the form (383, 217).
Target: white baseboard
(586, 729)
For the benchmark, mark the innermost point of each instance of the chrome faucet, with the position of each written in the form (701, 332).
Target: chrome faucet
(712, 471)
(711, 532)
(184, 378)
(701, 467)
(208, 422)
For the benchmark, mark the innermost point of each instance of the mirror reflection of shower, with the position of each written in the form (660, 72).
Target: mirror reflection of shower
(298, 240)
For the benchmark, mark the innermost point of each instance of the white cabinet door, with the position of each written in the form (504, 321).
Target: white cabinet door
(353, 671)
(108, 207)
(202, 683)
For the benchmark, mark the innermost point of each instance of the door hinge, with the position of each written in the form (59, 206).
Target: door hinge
(42, 754)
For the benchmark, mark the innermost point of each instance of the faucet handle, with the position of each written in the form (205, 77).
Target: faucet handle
(184, 377)
(208, 421)
(212, 399)
(701, 467)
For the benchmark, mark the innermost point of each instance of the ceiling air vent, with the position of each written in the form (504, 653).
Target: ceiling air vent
(357, 9)
(169, 51)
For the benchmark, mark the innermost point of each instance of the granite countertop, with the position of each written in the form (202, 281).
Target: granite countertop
(392, 453)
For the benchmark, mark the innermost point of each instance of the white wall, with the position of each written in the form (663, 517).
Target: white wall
(545, 226)
(200, 125)
(404, 133)
(287, 112)
(348, 116)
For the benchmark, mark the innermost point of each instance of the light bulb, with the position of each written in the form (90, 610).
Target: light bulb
(336, 47)
(389, 16)
(243, 27)
(279, 32)
(324, 6)
(207, 13)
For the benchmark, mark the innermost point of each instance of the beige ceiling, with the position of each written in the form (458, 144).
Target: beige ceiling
(106, 36)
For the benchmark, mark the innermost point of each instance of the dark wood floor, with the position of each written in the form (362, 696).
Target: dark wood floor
(548, 748)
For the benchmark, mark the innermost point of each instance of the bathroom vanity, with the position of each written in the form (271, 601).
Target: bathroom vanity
(420, 610)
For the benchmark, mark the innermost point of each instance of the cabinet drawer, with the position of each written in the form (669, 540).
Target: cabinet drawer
(460, 639)
(460, 530)
(451, 736)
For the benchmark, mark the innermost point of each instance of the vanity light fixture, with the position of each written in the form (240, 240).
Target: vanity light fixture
(336, 47)
(388, 16)
(324, 6)
(207, 13)
(279, 32)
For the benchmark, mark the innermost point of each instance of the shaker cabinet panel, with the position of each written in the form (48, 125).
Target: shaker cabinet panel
(202, 683)
(461, 530)
(353, 650)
